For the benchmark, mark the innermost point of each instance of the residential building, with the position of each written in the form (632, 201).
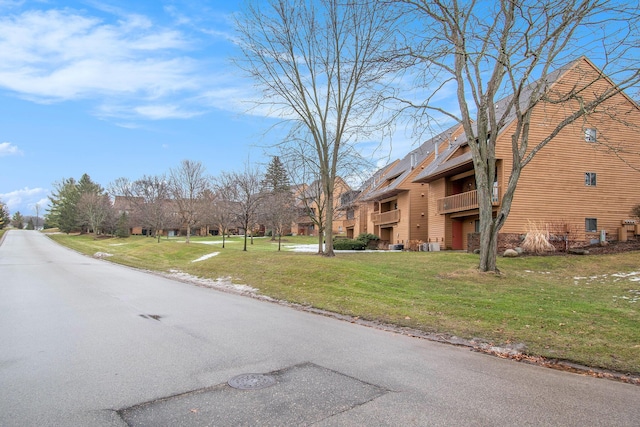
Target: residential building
(584, 181)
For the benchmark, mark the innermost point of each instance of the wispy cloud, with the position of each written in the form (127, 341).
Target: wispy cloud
(128, 65)
(8, 149)
(25, 197)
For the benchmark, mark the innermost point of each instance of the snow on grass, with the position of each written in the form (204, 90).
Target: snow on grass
(102, 255)
(217, 242)
(222, 283)
(207, 256)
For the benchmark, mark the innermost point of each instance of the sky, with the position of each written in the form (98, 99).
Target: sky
(120, 88)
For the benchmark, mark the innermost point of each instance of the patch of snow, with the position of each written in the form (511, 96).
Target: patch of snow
(117, 244)
(633, 273)
(216, 242)
(302, 248)
(207, 256)
(223, 283)
(102, 255)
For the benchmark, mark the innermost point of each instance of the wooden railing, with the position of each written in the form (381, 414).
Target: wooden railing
(464, 201)
(386, 217)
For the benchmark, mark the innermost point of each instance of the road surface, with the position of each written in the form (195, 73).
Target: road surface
(84, 342)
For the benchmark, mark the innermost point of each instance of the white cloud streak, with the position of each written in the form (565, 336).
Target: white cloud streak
(129, 66)
(8, 149)
(16, 200)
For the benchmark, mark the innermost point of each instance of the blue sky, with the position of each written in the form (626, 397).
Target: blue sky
(119, 88)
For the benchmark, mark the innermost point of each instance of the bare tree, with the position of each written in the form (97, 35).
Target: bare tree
(319, 66)
(187, 184)
(94, 208)
(242, 194)
(485, 51)
(309, 189)
(149, 201)
(278, 212)
(219, 210)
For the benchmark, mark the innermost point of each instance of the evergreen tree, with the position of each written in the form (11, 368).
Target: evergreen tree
(18, 220)
(122, 226)
(62, 211)
(30, 225)
(87, 190)
(276, 179)
(4, 215)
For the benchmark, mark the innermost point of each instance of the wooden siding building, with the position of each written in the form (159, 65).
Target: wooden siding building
(584, 181)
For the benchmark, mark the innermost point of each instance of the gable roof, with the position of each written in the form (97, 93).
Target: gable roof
(393, 179)
(446, 164)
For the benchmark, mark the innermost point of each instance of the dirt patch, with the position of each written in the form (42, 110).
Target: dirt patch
(615, 247)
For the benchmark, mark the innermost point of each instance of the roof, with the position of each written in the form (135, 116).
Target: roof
(446, 164)
(392, 180)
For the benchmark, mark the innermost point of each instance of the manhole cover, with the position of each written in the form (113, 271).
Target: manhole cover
(251, 381)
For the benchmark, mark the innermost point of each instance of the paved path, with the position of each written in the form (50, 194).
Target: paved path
(87, 343)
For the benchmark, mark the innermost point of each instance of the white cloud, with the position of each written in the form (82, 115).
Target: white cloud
(25, 199)
(157, 112)
(8, 149)
(58, 55)
(128, 65)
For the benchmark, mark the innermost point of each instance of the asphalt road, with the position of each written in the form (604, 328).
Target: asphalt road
(87, 343)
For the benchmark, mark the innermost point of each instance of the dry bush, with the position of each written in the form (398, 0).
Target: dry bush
(537, 239)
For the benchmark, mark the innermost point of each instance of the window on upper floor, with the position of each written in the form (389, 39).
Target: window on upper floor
(590, 134)
(591, 225)
(590, 179)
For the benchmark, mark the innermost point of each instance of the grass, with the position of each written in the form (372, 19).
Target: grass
(581, 309)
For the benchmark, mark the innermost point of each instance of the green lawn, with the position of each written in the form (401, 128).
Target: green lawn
(585, 309)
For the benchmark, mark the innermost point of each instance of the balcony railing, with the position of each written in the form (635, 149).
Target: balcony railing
(465, 201)
(386, 217)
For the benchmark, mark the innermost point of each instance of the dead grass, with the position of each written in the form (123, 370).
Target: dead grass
(576, 308)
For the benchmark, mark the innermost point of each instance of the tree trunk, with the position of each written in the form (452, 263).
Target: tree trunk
(328, 235)
(320, 241)
(188, 232)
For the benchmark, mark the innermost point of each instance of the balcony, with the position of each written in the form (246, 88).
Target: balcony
(349, 223)
(464, 201)
(386, 217)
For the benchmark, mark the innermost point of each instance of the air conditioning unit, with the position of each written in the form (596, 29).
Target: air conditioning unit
(434, 247)
(424, 247)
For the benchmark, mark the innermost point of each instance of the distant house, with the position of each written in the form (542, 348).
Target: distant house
(309, 199)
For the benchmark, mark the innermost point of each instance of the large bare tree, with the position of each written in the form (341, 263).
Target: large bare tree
(319, 67)
(497, 58)
(187, 185)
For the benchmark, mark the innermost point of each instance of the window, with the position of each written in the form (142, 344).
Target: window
(590, 135)
(590, 179)
(476, 225)
(591, 225)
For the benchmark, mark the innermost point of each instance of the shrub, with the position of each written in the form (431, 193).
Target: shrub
(348, 244)
(635, 211)
(367, 237)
